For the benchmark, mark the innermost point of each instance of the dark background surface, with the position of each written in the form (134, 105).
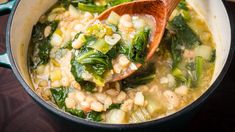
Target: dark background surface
(19, 113)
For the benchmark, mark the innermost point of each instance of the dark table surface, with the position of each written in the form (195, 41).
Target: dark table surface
(19, 113)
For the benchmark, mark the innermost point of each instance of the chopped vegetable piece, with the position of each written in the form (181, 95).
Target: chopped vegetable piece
(183, 32)
(154, 106)
(139, 46)
(101, 45)
(91, 8)
(113, 18)
(88, 86)
(204, 51)
(183, 5)
(94, 116)
(78, 113)
(59, 95)
(178, 74)
(117, 2)
(114, 106)
(112, 40)
(142, 76)
(41, 44)
(116, 116)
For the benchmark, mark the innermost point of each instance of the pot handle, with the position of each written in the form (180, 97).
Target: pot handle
(7, 5)
(4, 60)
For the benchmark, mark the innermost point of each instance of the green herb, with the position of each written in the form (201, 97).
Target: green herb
(183, 32)
(117, 2)
(91, 8)
(59, 95)
(94, 116)
(139, 46)
(88, 86)
(78, 113)
(178, 36)
(90, 61)
(142, 76)
(41, 44)
(114, 106)
(183, 5)
(178, 74)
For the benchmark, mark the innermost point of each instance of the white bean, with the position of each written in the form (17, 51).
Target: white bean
(97, 106)
(121, 97)
(139, 98)
(70, 103)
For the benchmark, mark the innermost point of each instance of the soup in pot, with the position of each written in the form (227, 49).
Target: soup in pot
(73, 56)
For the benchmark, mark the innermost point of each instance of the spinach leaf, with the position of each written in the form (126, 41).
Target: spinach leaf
(78, 113)
(114, 106)
(143, 75)
(41, 44)
(139, 44)
(183, 32)
(192, 76)
(59, 95)
(77, 70)
(94, 116)
(179, 35)
(117, 2)
(91, 8)
(183, 5)
(94, 60)
(91, 61)
(88, 86)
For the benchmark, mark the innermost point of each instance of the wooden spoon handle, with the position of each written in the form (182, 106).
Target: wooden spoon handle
(171, 5)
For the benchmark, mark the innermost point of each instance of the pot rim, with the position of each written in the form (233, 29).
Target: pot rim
(72, 118)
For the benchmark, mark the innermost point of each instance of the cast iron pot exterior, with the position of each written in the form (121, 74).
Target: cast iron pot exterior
(159, 123)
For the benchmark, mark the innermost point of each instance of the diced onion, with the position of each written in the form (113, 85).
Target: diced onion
(112, 40)
(204, 51)
(113, 18)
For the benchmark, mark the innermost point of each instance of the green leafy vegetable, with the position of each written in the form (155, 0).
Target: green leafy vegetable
(114, 106)
(88, 86)
(41, 44)
(94, 116)
(194, 72)
(178, 74)
(90, 61)
(183, 32)
(136, 51)
(180, 35)
(59, 95)
(183, 5)
(142, 76)
(91, 8)
(117, 2)
(78, 113)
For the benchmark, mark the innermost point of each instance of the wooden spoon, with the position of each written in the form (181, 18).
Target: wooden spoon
(159, 9)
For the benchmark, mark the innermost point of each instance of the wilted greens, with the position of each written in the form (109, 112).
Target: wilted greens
(41, 45)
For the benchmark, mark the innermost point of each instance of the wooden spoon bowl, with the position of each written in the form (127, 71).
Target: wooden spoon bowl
(159, 9)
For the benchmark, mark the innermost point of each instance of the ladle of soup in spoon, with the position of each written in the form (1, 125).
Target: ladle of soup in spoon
(159, 9)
